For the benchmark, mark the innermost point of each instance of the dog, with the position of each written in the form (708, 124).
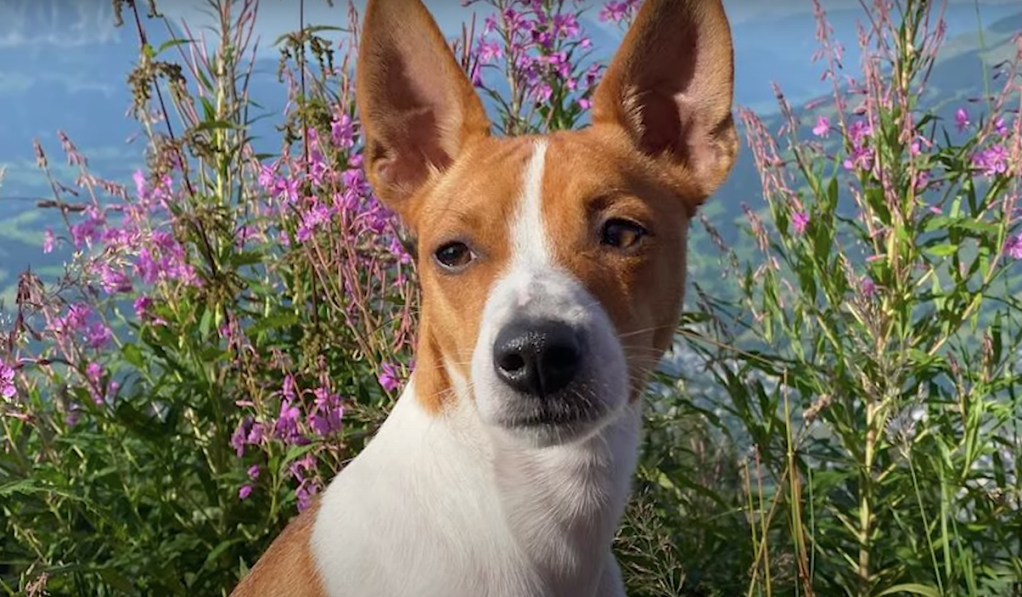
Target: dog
(552, 271)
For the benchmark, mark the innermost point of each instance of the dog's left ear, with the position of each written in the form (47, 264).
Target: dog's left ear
(671, 85)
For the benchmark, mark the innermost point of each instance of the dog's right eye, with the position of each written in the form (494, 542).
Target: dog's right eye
(454, 256)
(622, 234)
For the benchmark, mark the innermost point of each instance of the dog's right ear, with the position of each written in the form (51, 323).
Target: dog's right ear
(418, 108)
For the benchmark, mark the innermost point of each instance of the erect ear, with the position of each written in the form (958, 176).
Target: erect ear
(670, 86)
(418, 109)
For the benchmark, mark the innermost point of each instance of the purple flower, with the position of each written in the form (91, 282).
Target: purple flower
(253, 472)
(388, 377)
(74, 321)
(342, 132)
(961, 119)
(489, 24)
(1014, 247)
(140, 183)
(98, 335)
(1000, 127)
(244, 492)
(861, 159)
(304, 494)
(48, 241)
(318, 215)
(992, 161)
(489, 51)
(238, 437)
(7, 389)
(287, 389)
(618, 11)
(354, 180)
(94, 371)
(922, 180)
(542, 93)
(327, 412)
(147, 267)
(287, 423)
(867, 287)
(142, 306)
(89, 230)
(113, 281)
(71, 419)
(858, 132)
(396, 248)
(565, 25)
(822, 128)
(255, 436)
(267, 177)
(799, 220)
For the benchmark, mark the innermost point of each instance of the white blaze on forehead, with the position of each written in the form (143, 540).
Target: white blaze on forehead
(529, 244)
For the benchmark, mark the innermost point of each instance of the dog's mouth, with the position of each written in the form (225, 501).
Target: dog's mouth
(571, 407)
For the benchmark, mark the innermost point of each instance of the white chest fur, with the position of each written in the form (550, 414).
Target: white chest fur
(435, 506)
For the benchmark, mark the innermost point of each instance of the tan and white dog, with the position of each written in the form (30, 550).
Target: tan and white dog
(552, 271)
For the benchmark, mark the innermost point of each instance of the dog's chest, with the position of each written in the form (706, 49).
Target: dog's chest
(431, 509)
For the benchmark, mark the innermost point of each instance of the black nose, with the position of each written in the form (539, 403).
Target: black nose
(537, 358)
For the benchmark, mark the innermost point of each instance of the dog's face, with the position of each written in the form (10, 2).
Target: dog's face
(552, 267)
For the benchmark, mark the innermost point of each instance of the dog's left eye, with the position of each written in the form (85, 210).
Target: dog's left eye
(621, 234)
(454, 256)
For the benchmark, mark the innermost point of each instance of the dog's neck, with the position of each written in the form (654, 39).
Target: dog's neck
(559, 506)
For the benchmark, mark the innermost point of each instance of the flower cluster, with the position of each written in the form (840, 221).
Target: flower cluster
(181, 260)
(541, 49)
(620, 11)
(303, 416)
(863, 149)
(7, 389)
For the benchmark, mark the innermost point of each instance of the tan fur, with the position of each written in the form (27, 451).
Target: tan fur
(671, 90)
(418, 109)
(287, 568)
(601, 176)
(463, 205)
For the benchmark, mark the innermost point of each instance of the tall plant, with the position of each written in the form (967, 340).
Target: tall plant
(228, 333)
(880, 330)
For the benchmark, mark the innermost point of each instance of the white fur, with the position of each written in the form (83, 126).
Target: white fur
(462, 505)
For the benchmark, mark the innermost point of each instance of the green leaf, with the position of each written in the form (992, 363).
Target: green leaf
(205, 322)
(915, 589)
(244, 258)
(273, 322)
(24, 486)
(133, 354)
(296, 452)
(117, 581)
(937, 223)
(215, 125)
(945, 250)
(220, 549)
(171, 43)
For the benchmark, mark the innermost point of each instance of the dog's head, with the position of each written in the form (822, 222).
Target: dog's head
(552, 267)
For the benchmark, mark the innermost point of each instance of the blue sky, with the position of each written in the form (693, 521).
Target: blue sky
(68, 23)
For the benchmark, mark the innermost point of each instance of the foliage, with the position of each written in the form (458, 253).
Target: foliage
(877, 381)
